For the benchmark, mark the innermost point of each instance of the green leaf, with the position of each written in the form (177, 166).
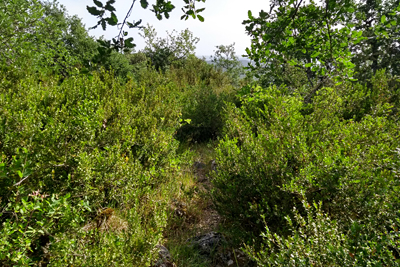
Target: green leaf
(109, 7)
(128, 43)
(113, 20)
(93, 10)
(383, 19)
(144, 3)
(103, 24)
(200, 18)
(315, 54)
(169, 7)
(98, 3)
(84, 71)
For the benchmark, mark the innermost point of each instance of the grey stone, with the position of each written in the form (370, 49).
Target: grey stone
(199, 165)
(207, 244)
(164, 257)
(213, 166)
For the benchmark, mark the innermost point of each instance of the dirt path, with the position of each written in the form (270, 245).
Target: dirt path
(194, 235)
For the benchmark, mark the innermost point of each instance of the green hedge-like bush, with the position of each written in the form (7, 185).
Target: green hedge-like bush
(273, 154)
(316, 240)
(88, 139)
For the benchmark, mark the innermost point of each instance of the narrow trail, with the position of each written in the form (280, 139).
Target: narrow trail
(195, 235)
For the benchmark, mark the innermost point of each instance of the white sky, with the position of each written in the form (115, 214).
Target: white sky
(222, 25)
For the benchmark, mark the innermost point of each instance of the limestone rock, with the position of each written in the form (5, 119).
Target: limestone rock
(164, 257)
(207, 244)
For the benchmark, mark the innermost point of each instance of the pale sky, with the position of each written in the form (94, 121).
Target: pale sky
(222, 25)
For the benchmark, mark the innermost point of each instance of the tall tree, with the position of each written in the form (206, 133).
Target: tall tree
(379, 21)
(327, 41)
(312, 37)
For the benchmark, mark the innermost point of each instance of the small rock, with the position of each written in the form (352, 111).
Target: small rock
(213, 165)
(180, 209)
(199, 165)
(208, 243)
(165, 258)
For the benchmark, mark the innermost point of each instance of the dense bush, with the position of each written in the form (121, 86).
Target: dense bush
(89, 139)
(275, 151)
(204, 93)
(316, 240)
(87, 164)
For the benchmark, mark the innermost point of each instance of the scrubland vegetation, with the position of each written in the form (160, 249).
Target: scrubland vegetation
(97, 145)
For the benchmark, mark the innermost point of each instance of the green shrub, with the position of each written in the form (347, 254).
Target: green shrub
(273, 153)
(316, 240)
(204, 110)
(95, 140)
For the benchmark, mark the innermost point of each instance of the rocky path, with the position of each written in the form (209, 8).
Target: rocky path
(200, 232)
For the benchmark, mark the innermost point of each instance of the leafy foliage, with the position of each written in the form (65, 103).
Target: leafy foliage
(379, 48)
(317, 240)
(313, 38)
(164, 52)
(90, 137)
(226, 60)
(160, 8)
(274, 153)
(87, 163)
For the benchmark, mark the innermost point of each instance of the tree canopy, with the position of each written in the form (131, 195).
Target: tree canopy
(162, 8)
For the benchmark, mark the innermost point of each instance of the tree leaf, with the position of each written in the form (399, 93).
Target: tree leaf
(93, 10)
(200, 18)
(144, 3)
(128, 43)
(98, 3)
(113, 20)
(383, 19)
(109, 7)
